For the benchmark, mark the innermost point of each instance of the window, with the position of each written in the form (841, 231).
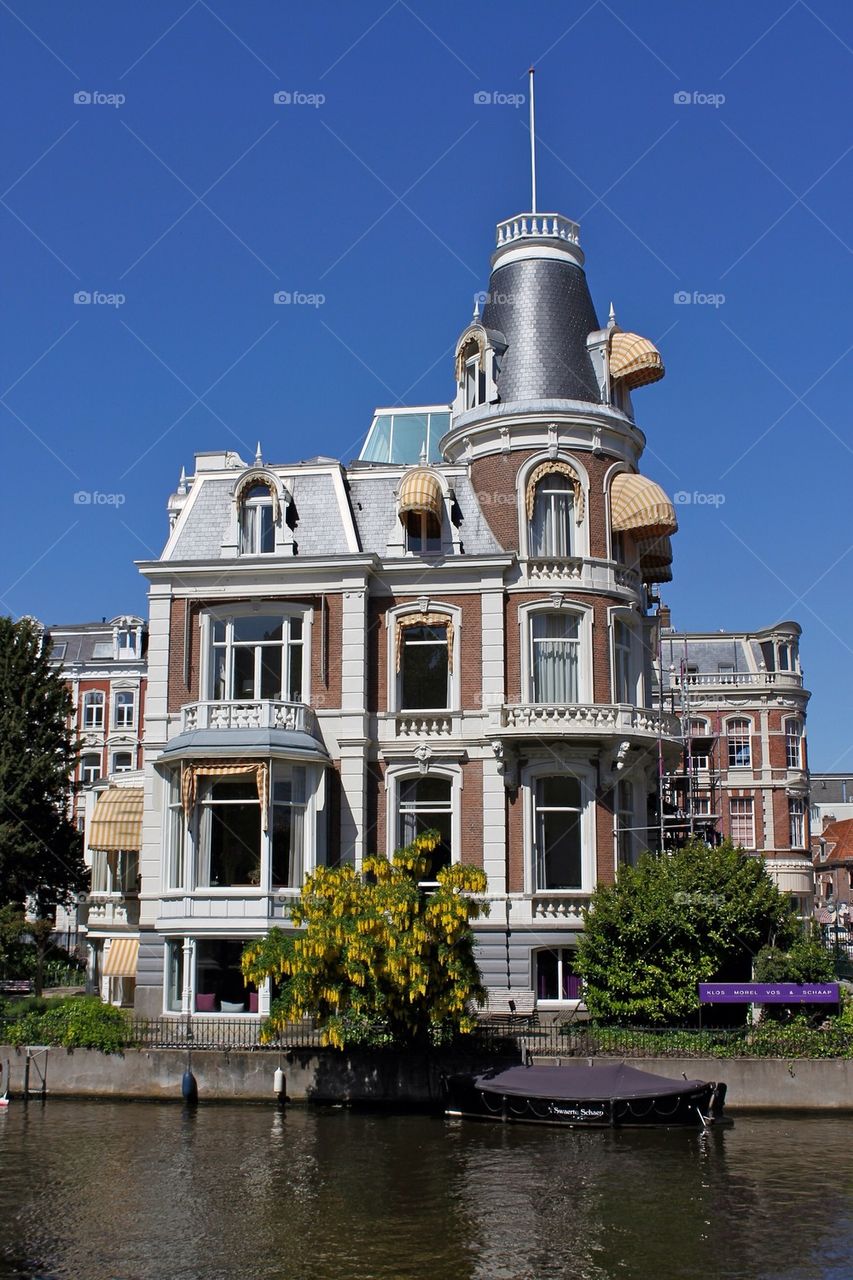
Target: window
(175, 826)
(474, 376)
(93, 709)
(424, 667)
(257, 656)
(115, 873)
(229, 834)
(624, 687)
(697, 729)
(725, 670)
(742, 822)
(288, 826)
(122, 761)
(557, 827)
(90, 768)
(740, 748)
(555, 656)
(426, 804)
(126, 642)
(785, 657)
(257, 527)
(794, 744)
(796, 816)
(423, 533)
(124, 709)
(551, 524)
(625, 842)
(174, 976)
(555, 975)
(220, 985)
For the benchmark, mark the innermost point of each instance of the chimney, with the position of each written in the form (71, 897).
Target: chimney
(665, 617)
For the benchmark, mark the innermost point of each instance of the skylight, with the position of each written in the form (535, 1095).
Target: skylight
(405, 435)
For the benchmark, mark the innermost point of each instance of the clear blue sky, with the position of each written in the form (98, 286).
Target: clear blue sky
(198, 197)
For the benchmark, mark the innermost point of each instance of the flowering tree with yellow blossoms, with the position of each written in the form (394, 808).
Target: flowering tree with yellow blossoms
(379, 960)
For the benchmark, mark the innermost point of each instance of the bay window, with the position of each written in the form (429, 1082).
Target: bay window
(426, 803)
(551, 523)
(555, 975)
(624, 686)
(219, 983)
(288, 826)
(257, 656)
(175, 829)
(174, 975)
(555, 645)
(557, 833)
(229, 834)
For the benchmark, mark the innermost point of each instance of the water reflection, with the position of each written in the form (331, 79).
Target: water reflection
(101, 1190)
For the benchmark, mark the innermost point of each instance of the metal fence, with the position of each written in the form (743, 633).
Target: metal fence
(217, 1033)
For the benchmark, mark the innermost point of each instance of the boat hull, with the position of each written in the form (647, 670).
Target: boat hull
(695, 1107)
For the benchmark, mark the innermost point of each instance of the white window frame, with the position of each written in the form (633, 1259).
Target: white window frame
(401, 614)
(625, 826)
(579, 531)
(797, 822)
(127, 721)
(90, 755)
(552, 494)
(586, 777)
(94, 699)
(409, 771)
(739, 720)
(122, 751)
(749, 811)
(628, 619)
(255, 505)
(176, 842)
(525, 622)
(794, 760)
(700, 763)
(269, 607)
(550, 1002)
(423, 518)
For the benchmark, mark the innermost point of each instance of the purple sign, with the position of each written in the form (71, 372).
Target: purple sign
(768, 993)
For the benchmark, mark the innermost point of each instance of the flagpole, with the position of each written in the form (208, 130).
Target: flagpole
(532, 146)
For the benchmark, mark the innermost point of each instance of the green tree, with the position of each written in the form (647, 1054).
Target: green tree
(41, 859)
(806, 960)
(672, 921)
(378, 959)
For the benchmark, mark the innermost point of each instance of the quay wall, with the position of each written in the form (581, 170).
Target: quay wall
(395, 1079)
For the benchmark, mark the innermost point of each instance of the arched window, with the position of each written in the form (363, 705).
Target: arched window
(257, 521)
(90, 768)
(740, 746)
(93, 709)
(426, 803)
(557, 832)
(794, 744)
(551, 523)
(697, 729)
(472, 367)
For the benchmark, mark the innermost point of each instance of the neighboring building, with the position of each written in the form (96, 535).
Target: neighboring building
(453, 632)
(105, 666)
(744, 769)
(830, 799)
(832, 852)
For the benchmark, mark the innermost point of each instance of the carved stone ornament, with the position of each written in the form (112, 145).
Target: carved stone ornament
(423, 755)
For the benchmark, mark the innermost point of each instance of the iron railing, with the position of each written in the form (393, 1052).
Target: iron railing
(582, 1040)
(217, 1033)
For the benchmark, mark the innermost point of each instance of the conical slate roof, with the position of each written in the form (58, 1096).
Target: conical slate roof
(543, 308)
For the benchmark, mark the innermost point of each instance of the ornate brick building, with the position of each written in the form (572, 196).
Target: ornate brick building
(452, 632)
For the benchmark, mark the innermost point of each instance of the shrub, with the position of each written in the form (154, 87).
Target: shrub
(73, 1022)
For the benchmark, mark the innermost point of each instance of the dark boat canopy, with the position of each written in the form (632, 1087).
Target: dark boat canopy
(582, 1083)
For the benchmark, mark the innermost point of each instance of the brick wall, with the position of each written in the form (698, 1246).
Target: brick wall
(469, 647)
(602, 691)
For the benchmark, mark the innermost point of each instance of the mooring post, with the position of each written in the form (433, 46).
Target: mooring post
(27, 1076)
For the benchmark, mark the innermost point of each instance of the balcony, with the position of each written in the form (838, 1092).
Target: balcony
(603, 575)
(736, 680)
(258, 714)
(537, 226)
(585, 720)
(110, 911)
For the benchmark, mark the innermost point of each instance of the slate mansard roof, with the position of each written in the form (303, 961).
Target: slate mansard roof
(333, 512)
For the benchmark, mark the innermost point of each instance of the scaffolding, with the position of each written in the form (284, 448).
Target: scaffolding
(688, 796)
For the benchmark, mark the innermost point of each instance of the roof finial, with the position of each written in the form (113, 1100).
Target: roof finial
(530, 74)
(476, 315)
(182, 482)
(423, 454)
(259, 457)
(611, 319)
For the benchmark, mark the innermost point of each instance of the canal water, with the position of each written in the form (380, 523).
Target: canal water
(143, 1191)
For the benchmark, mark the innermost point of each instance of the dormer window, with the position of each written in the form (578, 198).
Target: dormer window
(420, 504)
(257, 521)
(423, 533)
(475, 377)
(477, 359)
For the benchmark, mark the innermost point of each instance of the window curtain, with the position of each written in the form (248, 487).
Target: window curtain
(192, 772)
(554, 468)
(425, 620)
(555, 658)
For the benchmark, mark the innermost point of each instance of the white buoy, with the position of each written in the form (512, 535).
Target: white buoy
(278, 1081)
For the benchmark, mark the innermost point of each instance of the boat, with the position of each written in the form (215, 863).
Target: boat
(604, 1095)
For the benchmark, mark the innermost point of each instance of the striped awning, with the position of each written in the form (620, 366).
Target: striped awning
(121, 958)
(421, 491)
(655, 572)
(634, 359)
(639, 506)
(117, 820)
(229, 769)
(655, 551)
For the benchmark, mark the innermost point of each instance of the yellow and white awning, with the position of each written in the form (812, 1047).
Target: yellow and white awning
(655, 559)
(635, 360)
(639, 506)
(121, 958)
(420, 491)
(117, 820)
